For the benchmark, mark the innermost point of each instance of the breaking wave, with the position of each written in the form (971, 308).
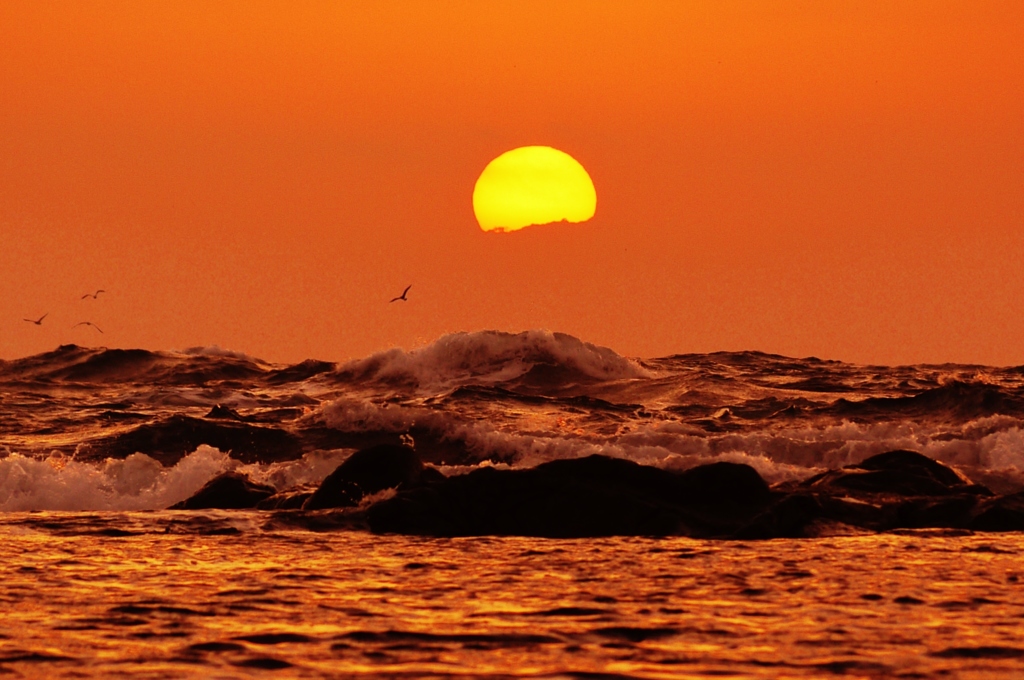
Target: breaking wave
(990, 444)
(124, 429)
(539, 358)
(137, 482)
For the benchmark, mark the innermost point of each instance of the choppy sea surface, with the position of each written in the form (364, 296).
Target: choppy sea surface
(100, 580)
(81, 602)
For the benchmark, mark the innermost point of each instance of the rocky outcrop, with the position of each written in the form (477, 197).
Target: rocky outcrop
(366, 472)
(593, 496)
(602, 496)
(894, 474)
(893, 490)
(1005, 513)
(288, 499)
(229, 491)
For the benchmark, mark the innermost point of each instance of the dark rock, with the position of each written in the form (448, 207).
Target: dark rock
(789, 517)
(947, 512)
(911, 461)
(887, 482)
(724, 484)
(367, 472)
(603, 496)
(896, 474)
(229, 491)
(289, 499)
(890, 491)
(1005, 513)
(592, 496)
(492, 502)
(336, 493)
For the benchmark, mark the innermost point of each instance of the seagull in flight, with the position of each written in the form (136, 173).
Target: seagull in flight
(402, 296)
(88, 323)
(94, 295)
(39, 321)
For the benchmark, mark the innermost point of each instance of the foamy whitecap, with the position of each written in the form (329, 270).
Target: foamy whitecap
(488, 397)
(362, 415)
(779, 454)
(490, 357)
(139, 482)
(136, 483)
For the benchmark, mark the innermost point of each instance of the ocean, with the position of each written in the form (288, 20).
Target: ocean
(101, 579)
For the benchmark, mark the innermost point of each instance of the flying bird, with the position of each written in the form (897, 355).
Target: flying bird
(88, 323)
(94, 295)
(39, 321)
(402, 296)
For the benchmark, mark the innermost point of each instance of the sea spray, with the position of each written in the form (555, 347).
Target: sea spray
(138, 482)
(95, 428)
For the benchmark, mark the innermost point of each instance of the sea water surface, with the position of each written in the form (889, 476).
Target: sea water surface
(100, 580)
(111, 595)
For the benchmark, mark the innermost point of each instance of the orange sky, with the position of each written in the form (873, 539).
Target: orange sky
(836, 179)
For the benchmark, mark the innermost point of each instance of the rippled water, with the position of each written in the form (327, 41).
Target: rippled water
(214, 595)
(103, 582)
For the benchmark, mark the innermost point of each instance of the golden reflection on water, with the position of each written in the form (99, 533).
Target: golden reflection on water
(81, 600)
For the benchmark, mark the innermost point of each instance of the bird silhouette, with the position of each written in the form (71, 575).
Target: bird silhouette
(402, 296)
(94, 295)
(39, 321)
(88, 323)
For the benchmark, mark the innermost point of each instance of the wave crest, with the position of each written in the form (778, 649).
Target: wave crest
(535, 358)
(139, 482)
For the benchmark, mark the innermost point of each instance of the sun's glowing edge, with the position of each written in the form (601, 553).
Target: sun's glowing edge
(532, 186)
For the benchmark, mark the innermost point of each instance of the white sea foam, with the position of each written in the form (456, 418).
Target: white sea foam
(993, 444)
(312, 468)
(533, 397)
(362, 415)
(492, 445)
(138, 482)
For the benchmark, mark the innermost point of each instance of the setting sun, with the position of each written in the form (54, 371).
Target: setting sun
(270, 404)
(532, 185)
